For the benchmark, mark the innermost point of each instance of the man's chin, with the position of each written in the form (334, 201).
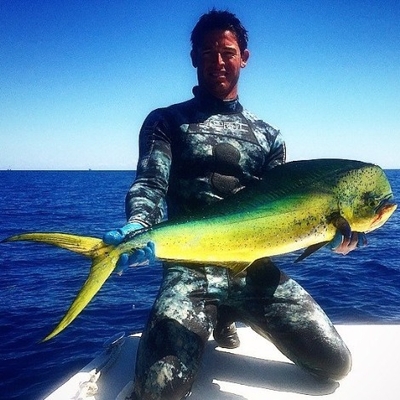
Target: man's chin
(222, 91)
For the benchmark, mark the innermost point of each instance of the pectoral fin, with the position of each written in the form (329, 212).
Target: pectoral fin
(310, 250)
(238, 267)
(342, 226)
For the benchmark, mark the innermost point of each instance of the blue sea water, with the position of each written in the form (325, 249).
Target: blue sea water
(38, 283)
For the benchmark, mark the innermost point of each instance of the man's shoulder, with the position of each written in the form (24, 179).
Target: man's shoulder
(175, 107)
(259, 123)
(173, 110)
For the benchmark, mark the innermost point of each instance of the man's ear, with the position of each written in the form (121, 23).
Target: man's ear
(245, 57)
(193, 56)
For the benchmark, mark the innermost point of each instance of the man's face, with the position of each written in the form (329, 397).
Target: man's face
(218, 62)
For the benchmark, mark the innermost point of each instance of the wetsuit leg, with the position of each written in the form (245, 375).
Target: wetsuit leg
(172, 344)
(278, 308)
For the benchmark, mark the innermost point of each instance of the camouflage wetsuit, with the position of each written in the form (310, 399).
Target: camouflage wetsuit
(192, 154)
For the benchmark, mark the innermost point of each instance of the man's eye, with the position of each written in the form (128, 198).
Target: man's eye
(229, 54)
(209, 53)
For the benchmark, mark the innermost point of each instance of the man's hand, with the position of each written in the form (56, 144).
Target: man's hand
(343, 245)
(117, 236)
(143, 256)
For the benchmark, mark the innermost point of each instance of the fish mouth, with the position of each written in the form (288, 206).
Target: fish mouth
(384, 210)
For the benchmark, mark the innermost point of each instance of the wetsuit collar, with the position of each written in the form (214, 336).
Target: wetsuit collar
(211, 103)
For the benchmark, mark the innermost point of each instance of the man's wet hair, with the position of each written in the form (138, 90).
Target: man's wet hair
(219, 20)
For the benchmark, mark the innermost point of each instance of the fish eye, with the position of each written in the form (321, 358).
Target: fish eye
(370, 200)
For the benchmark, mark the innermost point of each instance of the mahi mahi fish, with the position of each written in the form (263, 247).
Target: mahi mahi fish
(300, 204)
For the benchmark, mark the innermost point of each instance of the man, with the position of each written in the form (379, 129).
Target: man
(190, 155)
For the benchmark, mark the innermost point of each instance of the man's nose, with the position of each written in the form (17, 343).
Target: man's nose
(219, 59)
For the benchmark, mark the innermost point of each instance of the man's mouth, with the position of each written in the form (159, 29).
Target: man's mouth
(218, 74)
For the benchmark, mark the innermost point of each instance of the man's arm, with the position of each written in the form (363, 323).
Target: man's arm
(145, 199)
(277, 153)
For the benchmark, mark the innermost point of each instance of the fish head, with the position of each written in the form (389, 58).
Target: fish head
(366, 198)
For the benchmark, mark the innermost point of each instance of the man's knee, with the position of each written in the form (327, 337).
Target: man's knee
(167, 361)
(167, 379)
(334, 367)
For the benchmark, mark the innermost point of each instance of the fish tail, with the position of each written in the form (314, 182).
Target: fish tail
(104, 259)
(85, 245)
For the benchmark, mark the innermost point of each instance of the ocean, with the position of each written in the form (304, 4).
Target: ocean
(38, 282)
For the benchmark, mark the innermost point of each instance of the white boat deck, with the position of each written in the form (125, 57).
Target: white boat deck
(257, 370)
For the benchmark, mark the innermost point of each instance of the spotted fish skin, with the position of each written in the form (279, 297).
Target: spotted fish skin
(295, 206)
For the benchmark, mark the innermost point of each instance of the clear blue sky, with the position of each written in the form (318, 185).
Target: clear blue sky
(77, 78)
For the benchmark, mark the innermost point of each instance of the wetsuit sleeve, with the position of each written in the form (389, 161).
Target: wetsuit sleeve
(271, 141)
(277, 153)
(145, 199)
